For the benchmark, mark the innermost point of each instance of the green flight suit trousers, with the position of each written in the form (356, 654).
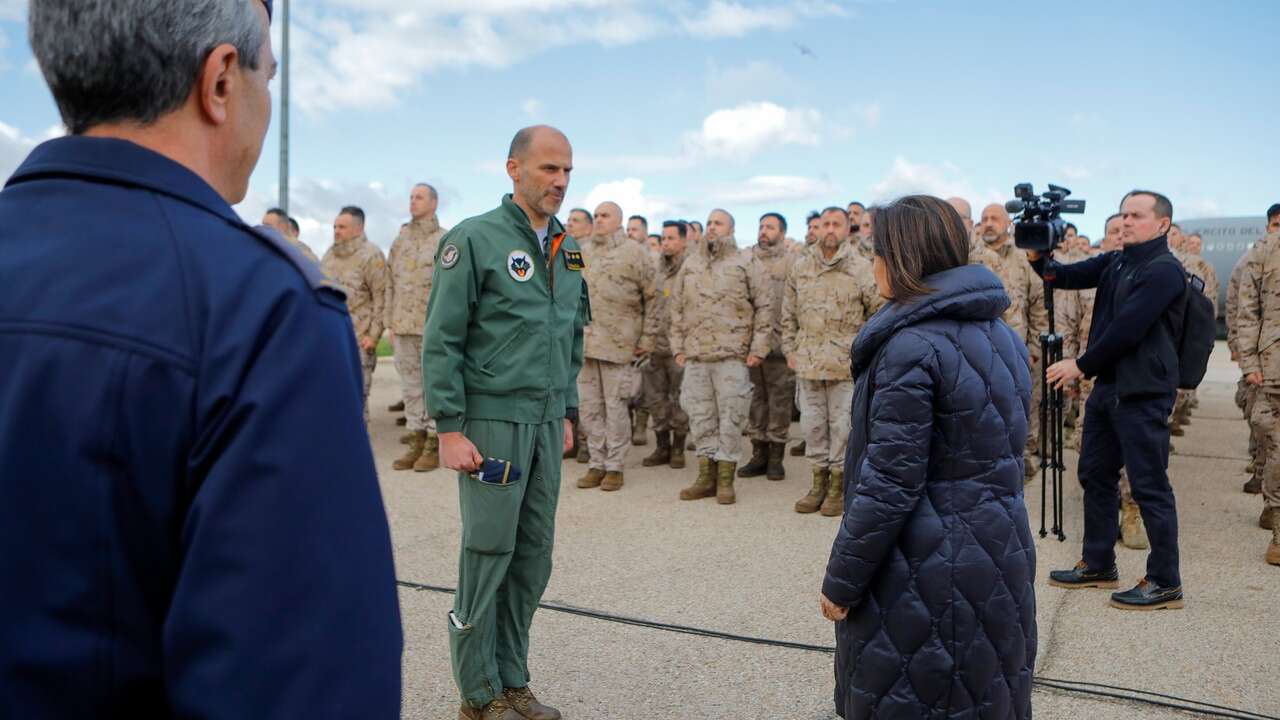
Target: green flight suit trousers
(505, 563)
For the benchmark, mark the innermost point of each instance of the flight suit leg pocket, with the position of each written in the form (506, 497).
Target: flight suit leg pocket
(490, 514)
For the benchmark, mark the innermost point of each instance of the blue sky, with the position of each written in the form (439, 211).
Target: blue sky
(675, 108)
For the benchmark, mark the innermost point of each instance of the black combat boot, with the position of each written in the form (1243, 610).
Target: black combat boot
(662, 453)
(775, 470)
(759, 461)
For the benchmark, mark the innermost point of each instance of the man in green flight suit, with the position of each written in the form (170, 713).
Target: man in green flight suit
(501, 353)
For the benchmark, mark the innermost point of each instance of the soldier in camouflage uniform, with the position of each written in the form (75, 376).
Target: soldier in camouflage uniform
(620, 275)
(278, 219)
(1026, 314)
(1246, 392)
(410, 266)
(1258, 342)
(357, 266)
(979, 253)
(662, 377)
(1200, 267)
(721, 317)
(829, 295)
(862, 240)
(773, 384)
(579, 227)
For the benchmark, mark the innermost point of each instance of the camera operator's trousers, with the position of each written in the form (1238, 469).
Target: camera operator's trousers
(505, 560)
(1133, 434)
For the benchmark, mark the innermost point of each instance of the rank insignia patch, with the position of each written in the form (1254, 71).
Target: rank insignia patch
(520, 266)
(573, 260)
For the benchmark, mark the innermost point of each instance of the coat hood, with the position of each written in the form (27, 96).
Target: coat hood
(966, 292)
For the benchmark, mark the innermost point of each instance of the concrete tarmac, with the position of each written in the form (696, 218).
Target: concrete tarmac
(755, 568)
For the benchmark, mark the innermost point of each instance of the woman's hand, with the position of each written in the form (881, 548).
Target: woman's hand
(832, 611)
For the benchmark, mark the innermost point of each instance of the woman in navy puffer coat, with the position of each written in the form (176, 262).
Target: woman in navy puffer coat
(931, 574)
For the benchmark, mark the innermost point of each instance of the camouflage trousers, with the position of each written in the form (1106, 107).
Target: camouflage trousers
(1031, 452)
(409, 364)
(1086, 387)
(1182, 406)
(604, 389)
(1246, 395)
(368, 361)
(717, 395)
(825, 418)
(1266, 418)
(773, 392)
(662, 381)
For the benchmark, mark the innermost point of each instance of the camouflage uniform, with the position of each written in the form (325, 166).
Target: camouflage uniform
(863, 245)
(359, 269)
(620, 275)
(410, 265)
(1258, 342)
(1246, 392)
(773, 384)
(1028, 318)
(662, 377)
(1198, 266)
(825, 304)
(720, 312)
(302, 247)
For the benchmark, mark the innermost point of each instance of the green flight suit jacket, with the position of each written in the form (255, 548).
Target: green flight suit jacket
(503, 334)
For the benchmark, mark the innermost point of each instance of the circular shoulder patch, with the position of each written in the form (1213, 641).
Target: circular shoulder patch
(449, 257)
(520, 266)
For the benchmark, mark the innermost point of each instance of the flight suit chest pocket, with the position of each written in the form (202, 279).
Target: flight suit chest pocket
(490, 514)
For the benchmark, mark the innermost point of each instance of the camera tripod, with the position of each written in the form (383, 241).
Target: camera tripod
(1051, 409)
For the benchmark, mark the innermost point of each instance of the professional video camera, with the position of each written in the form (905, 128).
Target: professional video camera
(1040, 226)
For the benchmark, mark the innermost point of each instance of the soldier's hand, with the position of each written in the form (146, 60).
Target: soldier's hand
(680, 359)
(1235, 356)
(1253, 378)
(368, 344)
(832, 611)
(754, 361)
(568, 435)
(457, 453)
(791, 362)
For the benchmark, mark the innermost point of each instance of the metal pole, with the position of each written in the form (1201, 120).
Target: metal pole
(284, 107)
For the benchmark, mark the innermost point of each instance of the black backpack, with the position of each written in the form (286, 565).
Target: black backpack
(1199, 330)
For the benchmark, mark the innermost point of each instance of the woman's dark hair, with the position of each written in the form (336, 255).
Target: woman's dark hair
(917, 236)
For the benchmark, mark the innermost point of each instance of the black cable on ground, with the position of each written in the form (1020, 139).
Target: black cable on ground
(1171, 702)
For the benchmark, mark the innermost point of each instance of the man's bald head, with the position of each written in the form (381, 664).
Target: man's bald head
(995, 225)
(963, 207)
(526, 137)
(608, 218)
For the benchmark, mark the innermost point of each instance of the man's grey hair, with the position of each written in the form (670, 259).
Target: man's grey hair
(133, 60)
(431, 189)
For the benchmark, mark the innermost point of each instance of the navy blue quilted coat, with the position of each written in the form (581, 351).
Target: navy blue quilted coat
(934, 557)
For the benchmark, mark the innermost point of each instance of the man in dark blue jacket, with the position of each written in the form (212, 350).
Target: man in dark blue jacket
(190, 521)
(1133, 356)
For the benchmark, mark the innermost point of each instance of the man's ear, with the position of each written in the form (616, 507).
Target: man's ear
(217, 82)
(513, 169)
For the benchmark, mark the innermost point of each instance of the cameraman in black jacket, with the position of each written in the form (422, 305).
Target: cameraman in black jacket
(1133, 355)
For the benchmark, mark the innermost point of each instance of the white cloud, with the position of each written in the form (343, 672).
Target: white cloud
(942, 180)
(532, 107)
(741, 131)
(733, 84)
(766, 189)
(630, 195)
(14, 148)
(727, 18)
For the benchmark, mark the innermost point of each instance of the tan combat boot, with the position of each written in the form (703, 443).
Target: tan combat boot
(705, 485)
(724, 485)
(592, 479)
(798, 449)
(612, 481)
(662, 453)
(1273, 550)
(638, 428)
(406, 438)
(405, 462)
(811, 502)
(1133, 534)
(499, 709)
(677, 451)
(430, 458)
(523, 701)
(833, 506)
(1253, 485)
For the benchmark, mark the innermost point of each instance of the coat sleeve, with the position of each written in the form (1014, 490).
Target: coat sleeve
(285, 599)
(1075, 276)
(576, 353)
(1249, 315)
(454, 294)
(790, 320)
(761, 298)
(1037, 314)
(675, 308)
(1066, 311)
(1233, 306)
(892, 474)
(389, 298)
(376, 277)
(648, 299)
